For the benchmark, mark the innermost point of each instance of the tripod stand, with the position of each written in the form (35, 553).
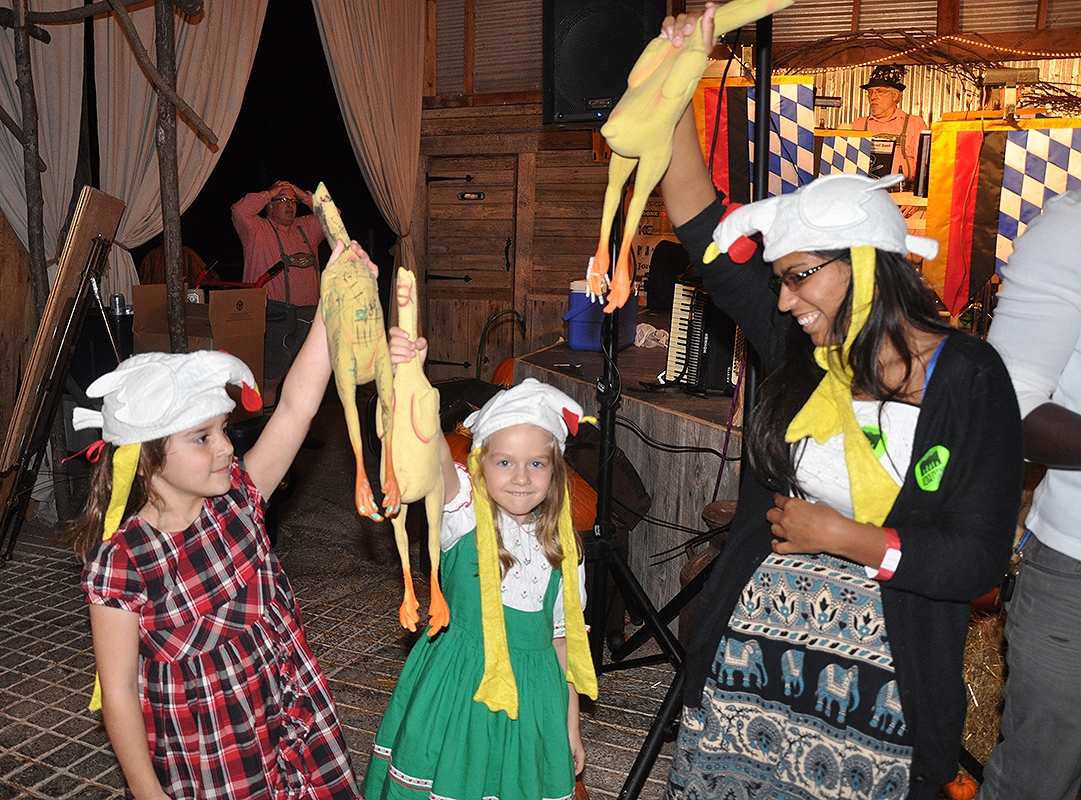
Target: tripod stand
(610, 561)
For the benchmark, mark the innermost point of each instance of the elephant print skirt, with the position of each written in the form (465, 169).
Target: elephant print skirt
(801, 701)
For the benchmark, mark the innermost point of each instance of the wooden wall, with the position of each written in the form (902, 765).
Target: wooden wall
(511, 214)
(19, 327)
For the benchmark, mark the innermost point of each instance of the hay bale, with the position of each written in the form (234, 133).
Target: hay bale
(985, 672)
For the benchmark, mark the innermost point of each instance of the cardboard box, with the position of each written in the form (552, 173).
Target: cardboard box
(233, 320)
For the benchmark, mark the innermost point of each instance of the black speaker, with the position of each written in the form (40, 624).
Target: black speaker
(589, 47)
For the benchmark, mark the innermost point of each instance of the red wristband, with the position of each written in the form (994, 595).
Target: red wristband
(892, 557)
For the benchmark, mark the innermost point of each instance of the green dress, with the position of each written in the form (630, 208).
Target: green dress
(436, 741)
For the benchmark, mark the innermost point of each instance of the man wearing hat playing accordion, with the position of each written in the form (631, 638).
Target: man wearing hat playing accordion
(894, 130)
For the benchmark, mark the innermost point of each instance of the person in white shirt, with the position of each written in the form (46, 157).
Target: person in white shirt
(1037, 330)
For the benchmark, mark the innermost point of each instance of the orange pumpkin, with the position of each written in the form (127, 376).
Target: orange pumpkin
(504, 373)
(961, 789)
(460, 446)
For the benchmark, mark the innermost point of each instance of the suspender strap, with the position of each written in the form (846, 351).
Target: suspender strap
(285, 258)
(899, 139)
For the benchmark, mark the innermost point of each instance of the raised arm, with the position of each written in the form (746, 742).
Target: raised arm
(686, 186)
(303, 390)
(403, 350)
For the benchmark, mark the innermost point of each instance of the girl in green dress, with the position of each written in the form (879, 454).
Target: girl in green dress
(483, 708)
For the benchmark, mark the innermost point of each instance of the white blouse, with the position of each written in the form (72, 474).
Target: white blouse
(524, 585)
(821, 468)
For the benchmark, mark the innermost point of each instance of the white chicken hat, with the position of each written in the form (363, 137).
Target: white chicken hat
(829, 213)
(154, 395)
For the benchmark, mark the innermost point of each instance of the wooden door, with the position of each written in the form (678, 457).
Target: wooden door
(470, 258)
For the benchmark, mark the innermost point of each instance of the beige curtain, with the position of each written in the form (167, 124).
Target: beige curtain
(58, 86)
(375, 51)
(214, 55)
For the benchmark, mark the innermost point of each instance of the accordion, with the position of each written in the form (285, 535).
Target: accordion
(704, 345)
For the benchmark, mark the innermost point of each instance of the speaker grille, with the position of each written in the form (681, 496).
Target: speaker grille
(589, 49)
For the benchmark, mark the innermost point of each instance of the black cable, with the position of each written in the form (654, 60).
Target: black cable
(717, 121)
(664, 446)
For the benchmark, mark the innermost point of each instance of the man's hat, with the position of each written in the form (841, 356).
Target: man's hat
(890, 75)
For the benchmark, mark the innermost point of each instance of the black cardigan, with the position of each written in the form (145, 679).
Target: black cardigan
(955, 542)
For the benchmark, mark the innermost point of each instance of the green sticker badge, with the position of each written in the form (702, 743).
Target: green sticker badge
(929, 469)
(877, 439)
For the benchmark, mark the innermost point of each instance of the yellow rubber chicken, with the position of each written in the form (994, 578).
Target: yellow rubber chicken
(640, 130)
(417, 436)
(358, 350)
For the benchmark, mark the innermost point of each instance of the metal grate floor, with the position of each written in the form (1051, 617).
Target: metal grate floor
(347, 577)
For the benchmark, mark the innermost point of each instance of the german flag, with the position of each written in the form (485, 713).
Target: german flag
(720, 110)
(965, 187)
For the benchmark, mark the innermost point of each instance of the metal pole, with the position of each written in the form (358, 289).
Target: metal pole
(763, 73)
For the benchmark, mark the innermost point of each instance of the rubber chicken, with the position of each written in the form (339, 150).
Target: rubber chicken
(358, 350)
(416, 428)
(641, 127)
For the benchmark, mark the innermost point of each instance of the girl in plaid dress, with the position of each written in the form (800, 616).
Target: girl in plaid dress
(208, 688)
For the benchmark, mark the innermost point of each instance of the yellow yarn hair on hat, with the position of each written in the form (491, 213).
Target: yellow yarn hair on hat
(828, 411)
(125, 462)
(498, 689)
(580, 670)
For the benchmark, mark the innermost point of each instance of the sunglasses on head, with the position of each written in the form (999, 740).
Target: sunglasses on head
(793, 280)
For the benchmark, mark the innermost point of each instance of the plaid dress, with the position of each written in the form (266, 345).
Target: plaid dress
(234, 702)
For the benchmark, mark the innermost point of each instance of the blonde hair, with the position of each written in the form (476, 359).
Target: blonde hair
(548, 512)
(89, 528)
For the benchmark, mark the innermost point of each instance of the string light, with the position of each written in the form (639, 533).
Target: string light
(893, 57)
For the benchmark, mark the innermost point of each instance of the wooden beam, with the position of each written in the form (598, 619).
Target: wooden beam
(13, 126)
(468, 50)
(35, 200)
(949, 17)
(1041, 14)
(164, 87)
(190, 7)
(7, 20)
(431, 10)
(165, 138)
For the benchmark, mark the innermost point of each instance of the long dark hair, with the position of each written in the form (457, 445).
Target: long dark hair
(88, 529)
(901, 301)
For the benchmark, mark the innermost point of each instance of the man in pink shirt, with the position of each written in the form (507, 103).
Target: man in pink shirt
(883, 94)
(287, 243)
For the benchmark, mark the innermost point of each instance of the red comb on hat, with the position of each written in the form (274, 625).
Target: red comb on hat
(572, 421)
(743, 248)
(249, 396)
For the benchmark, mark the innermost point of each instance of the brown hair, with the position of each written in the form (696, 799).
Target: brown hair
(548, 513)
(85, 533)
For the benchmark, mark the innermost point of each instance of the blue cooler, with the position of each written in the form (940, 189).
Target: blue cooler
(584, 320)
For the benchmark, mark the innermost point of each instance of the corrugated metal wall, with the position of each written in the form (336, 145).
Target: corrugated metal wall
(450, 46)
(930, 92)
(507, 54)
(998, 16)
(1063, 14)
(508, 45)
(910, 15)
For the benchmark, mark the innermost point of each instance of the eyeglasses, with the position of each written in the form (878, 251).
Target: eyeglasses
(289, 200)
(878, 91)
(793, 280)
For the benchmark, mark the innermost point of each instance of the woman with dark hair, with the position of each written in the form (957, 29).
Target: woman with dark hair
(827, 651)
